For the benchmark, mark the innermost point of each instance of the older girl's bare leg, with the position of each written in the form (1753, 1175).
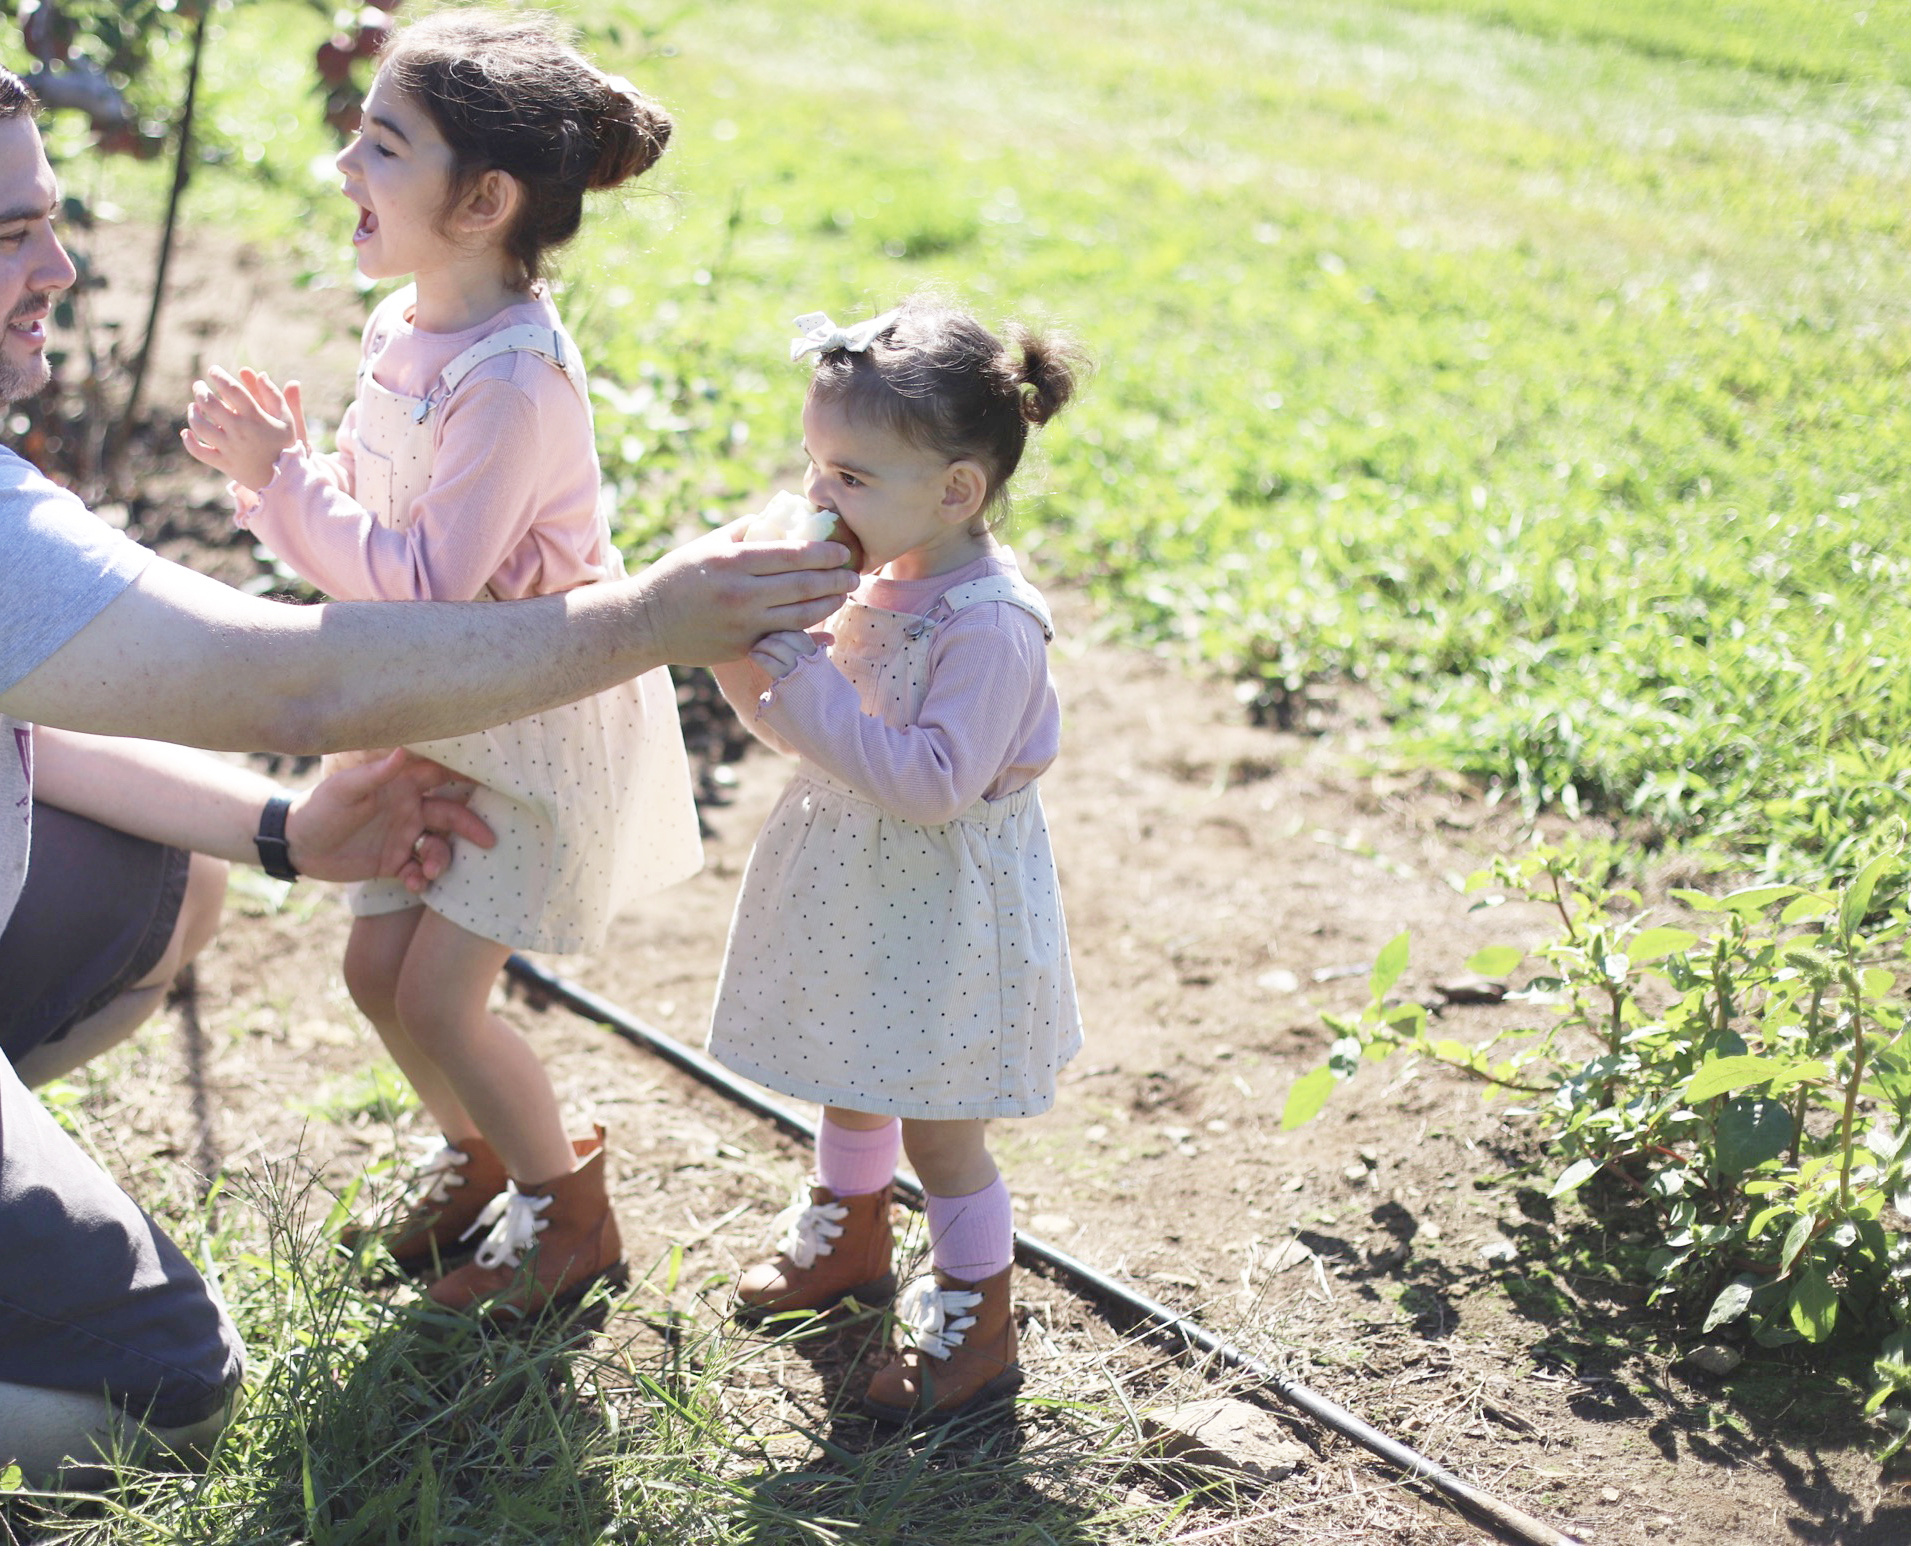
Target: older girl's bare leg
(374, 961)
(443, 996)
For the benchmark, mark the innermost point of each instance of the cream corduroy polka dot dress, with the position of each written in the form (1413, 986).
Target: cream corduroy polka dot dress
(889, 966)
(591, 802)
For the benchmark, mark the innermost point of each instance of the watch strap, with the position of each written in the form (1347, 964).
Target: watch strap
(275, 854)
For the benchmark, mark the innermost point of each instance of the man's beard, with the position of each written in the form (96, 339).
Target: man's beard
(18, 381)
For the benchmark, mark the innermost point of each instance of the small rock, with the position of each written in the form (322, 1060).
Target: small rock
(1497, 1253)
(1609, 1494)
(1225, 1434)
(1278, 981)
(1289, 1253)
(1471, 990)
(1719, 1358)
(1355, 1173)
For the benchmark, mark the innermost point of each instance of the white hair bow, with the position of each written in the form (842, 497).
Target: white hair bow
(823, 335)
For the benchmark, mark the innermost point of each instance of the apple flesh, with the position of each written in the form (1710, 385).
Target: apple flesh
(790, 517)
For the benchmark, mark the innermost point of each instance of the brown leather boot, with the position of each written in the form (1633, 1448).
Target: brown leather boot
(452, 1187)
(833, 1248)
(962, 1353)
(551, 1243)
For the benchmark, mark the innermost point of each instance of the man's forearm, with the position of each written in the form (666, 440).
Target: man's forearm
(163, 793)
(179, 657)
(183, 658)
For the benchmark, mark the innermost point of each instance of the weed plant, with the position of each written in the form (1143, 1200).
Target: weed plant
(1749, 1088)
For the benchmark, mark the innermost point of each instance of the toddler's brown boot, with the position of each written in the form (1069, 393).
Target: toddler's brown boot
(550, 1244)
(832, 1248)
(961, 1352)
(451, 1189)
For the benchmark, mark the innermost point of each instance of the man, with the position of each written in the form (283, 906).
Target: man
(108, 1338)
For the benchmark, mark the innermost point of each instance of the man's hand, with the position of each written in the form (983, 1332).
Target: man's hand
(240, 424)
(381, 819)
(710, 600)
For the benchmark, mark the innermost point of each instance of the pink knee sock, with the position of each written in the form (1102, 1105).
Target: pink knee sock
(853, 1162)
(972, 1237)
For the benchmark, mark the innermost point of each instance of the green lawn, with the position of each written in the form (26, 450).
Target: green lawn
(1539, 364)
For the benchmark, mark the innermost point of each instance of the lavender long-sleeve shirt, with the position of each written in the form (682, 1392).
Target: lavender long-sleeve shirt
(989, 722)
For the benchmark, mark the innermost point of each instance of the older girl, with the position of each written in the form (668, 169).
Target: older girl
(466, 469)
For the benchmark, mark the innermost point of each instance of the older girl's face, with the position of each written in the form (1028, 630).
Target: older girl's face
(397, 171)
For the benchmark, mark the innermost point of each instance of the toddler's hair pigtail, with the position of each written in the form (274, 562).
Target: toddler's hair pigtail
(1051, 369)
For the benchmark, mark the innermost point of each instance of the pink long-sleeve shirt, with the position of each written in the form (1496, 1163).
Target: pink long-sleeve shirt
(989, 723)
(512, 502)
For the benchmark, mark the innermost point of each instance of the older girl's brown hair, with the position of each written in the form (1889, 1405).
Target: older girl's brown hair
(944, 382)
(509, 93)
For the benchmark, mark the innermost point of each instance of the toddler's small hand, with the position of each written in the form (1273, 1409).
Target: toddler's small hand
(241, 424)
(779, 653)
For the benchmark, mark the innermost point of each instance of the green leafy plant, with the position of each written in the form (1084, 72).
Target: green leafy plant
(1750, 1087)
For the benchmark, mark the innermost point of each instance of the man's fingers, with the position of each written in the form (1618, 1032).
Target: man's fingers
(457, 819)
(430, 856)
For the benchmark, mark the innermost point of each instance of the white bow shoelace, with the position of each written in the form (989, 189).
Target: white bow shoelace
(514, 1219)
(803, 1231)
(934, 1318)
(440, 1170)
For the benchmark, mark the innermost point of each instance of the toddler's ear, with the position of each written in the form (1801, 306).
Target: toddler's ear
(964, 487)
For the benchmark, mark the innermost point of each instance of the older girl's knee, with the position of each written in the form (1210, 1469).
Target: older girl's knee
(374, 961)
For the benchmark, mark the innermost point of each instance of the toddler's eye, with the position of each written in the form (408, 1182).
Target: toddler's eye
(850, 480)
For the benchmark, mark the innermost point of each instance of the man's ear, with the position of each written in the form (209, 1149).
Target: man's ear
(964, 488)
(490, 205)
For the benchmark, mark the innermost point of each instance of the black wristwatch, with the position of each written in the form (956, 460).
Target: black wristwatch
(275, 854)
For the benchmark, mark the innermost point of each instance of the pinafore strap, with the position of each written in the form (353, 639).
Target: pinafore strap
(547, 343)
(1010, 588)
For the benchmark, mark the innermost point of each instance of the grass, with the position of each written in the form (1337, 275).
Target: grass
(372, 1417)
(1539, 365)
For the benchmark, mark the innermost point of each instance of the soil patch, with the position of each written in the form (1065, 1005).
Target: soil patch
(1225, 884)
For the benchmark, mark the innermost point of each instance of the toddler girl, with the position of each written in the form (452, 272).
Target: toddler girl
(466, 469)
(898, 951)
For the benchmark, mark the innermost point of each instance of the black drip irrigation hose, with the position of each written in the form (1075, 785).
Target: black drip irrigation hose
(1502, 1518)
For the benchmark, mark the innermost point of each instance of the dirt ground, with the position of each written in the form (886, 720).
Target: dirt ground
(1224, 885)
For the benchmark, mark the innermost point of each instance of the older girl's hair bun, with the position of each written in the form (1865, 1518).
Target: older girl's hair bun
(632, 132)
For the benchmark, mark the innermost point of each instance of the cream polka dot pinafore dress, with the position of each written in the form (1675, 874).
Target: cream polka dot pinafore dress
(591, 802)
(888, 966)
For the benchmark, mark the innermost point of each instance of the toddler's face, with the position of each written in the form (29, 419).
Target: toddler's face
(397, 171)
(898, 498)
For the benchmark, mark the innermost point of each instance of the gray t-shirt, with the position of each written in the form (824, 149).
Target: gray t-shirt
(59, 567)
